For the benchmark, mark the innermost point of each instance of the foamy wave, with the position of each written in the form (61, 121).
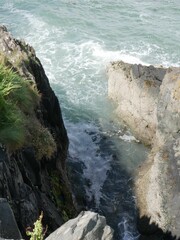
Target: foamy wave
(150, 53)
(107, 56)
(128, 138)
(84, 147)
(120, 132)
(96, 54)
(92, 53)
(126, 230)
(84, 65)
(40, 35)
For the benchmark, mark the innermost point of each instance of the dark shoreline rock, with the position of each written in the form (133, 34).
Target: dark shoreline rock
(29, 184)
(8, 225)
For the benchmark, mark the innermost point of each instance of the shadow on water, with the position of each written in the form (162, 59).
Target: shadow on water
(151, 231)
(115, 200)
(114, 196)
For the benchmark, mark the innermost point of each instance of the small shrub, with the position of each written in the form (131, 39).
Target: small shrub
(38, 232)
(40, 138)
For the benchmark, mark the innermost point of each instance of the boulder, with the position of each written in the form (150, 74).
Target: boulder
(86, 226)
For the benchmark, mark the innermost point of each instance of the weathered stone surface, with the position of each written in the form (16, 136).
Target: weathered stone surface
(158, 185)
(87, 226)
(135, 89)
(158, 181)
(29, 184)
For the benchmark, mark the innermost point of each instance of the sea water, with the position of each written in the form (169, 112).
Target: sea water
(75, 40)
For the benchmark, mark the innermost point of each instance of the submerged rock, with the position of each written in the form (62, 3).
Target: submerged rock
(148, 101)
(87, 226)
(34, 182)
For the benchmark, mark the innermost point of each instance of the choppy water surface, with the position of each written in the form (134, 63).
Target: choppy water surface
(75, 40)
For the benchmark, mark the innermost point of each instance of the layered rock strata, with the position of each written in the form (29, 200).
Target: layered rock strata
(148, 101)
(32, 184)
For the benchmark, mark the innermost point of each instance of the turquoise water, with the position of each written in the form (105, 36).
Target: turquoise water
(75, 40)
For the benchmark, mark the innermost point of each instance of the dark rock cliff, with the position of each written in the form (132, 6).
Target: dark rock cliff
(31, 184)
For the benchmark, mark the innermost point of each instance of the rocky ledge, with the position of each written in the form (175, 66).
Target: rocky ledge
(33, 175)
(148, 100)
(86, 226)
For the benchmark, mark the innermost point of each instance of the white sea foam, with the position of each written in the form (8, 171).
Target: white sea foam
(125, 229)
(84, 139)
(83, 65)
(106, 56)
(92, 54)
(128, 138)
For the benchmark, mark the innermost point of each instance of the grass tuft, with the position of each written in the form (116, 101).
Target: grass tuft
(41, 139)
(17, 98)
(19, 125)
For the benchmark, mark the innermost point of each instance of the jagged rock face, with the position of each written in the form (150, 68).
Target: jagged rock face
(168, 140)
(158, 181)
(135, 89)
(32, 185)
(87, 226)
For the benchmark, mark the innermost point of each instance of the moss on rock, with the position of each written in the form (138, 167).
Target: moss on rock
(62, 196)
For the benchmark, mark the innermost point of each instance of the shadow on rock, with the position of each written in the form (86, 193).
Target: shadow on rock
(151, 231)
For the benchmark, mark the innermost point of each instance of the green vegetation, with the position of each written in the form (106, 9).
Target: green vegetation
(17, 98)
(41, 139)
(19, 125)
(37, 233)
